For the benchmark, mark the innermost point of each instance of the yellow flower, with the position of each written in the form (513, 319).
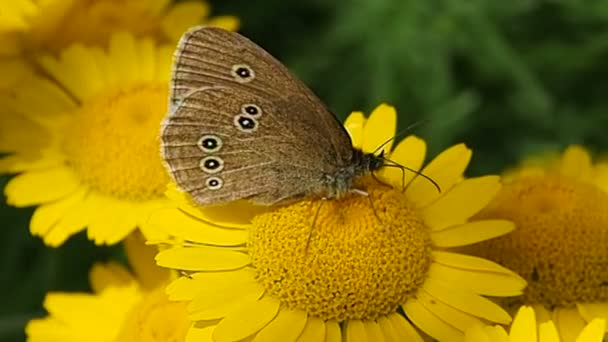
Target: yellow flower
(124, 306)
(560, 208)
(52, 25)
(375, 267)
(528, 327)
(85, 140)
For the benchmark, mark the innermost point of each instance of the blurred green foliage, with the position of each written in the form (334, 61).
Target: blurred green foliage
(508, 78)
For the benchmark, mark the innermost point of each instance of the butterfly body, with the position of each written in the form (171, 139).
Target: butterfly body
(240, 126)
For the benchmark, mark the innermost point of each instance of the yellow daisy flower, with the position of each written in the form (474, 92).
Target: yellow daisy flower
(85, 140)
(124, 306)
(560, 246)
(376, 267)
(52, 25)
(527, 327)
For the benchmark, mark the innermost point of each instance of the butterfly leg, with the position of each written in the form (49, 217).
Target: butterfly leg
(369, 197)
(314, 221)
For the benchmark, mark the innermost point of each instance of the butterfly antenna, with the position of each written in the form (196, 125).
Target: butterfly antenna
(418, 173)
(402, 132)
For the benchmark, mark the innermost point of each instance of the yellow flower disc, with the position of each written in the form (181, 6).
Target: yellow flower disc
(113, 142)
(561, 242)
(360, 258)
(155, 319)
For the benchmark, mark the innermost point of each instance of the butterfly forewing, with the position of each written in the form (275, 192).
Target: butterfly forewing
(240, 126)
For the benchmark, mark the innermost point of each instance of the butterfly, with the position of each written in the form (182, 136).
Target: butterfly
(241, 126)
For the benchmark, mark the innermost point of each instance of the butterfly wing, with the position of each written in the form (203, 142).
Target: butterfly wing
(240, 126)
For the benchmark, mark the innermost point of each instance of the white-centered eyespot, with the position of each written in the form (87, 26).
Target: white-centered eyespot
(242, 73)
(212, 164)
(214, 183)
(210, 143)
(245, 123)
(251, 109)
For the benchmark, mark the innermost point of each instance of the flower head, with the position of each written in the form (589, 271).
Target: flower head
(375, 265)
(124, 306)
(560, 208)
(53, 25)
(84, 140)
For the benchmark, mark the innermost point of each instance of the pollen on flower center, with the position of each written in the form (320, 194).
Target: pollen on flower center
(155, 319)
(366, 255)
(561, 242)
(113, 142)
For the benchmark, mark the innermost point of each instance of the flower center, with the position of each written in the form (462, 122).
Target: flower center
(113, 142)
(354, 258)
(155, 319)
(561, 242)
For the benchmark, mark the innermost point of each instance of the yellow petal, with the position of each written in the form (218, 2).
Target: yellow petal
(373, 331)
(31, 161)
(405, 331)
(457, 318)
(379, 128)
(593, 332)
(48, 215)
(523, 328)
(37, 187)
(164, 60)
(389, 332)
(146, 55)
(141, 259)
(589, 311)
(109, 274)
(600, 176)
(201, 259)
(286, 326)
(83, 79)
(246, 320)
(175, 222)
(476, 334)
(123, 56)
(476, 275)
(218, 309)
(470, 233)
(74, 221)
(469, 262)
(410, 153)
(467, 302)
(430, 323)
(183, 16)
(463, 201)
(446, 170)
(227, 22)
(354, 126)
(112, 219)
(569, 323)
(496, 333)
(333, 333)
(314, 331)
(202, 334)
(212, 290)
(547, 332)
(576, 163)
(355, 331)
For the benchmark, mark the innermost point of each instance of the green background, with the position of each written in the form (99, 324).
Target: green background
(509, 78)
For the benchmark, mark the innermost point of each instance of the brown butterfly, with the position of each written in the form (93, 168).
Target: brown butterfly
(240, 126)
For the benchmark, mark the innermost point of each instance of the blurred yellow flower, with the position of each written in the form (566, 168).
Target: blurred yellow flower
(355, 269)
(85, 142)
(560, 207)
(527, 327)
(53, 25)
(123, 307)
